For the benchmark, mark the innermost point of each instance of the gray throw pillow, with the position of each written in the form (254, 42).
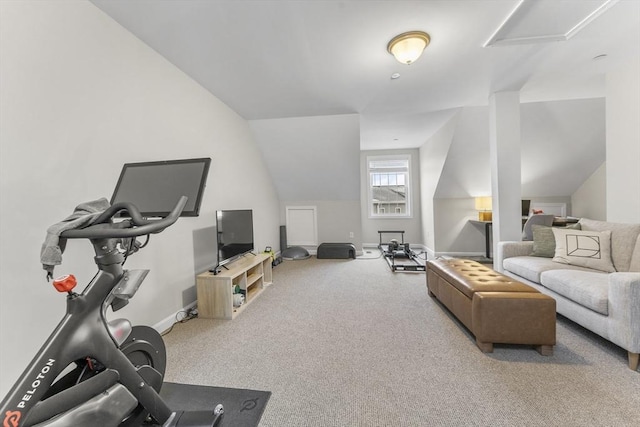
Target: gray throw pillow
(544, 242)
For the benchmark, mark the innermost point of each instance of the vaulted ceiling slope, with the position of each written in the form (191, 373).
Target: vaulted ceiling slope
(560, 149)
(275, 59)
(311, 158)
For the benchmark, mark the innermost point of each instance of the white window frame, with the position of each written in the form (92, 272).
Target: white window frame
(408, 199)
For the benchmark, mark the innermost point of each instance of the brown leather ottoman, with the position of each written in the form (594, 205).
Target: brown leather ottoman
(494, 307)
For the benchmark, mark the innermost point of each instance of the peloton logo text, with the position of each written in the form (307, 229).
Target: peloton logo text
(12, 418)
(36, 383)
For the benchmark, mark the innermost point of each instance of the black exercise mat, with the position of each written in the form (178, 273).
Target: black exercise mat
(242, 408)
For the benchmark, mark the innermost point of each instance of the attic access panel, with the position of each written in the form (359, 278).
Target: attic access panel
(302, 226)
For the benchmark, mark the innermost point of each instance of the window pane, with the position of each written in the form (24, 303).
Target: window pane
(388, 192)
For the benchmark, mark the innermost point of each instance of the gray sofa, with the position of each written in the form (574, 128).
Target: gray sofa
(593, 274)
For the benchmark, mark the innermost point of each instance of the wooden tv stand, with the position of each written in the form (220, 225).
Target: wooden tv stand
(215, 291)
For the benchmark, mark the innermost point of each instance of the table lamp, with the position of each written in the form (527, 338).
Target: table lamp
(483, 206)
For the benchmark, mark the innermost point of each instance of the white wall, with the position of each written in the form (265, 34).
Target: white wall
(80, 97)
(337, 219)
(455, 235)
(312, 158)
(466, 172)
(562, 144)
(623, 144)
(433, 155)
(590, 200)
(314, 161)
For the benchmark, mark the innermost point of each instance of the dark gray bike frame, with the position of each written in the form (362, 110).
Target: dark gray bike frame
(83, 331)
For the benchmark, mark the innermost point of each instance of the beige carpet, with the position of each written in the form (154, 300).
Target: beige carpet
(349, 343)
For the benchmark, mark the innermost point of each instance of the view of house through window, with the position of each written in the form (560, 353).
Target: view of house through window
(389, 186)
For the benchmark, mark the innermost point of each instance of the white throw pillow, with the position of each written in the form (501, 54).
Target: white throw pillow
(591, 249)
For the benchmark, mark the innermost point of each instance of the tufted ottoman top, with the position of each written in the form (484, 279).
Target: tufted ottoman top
(470, 276)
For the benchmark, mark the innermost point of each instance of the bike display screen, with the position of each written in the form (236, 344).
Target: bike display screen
(155, 187)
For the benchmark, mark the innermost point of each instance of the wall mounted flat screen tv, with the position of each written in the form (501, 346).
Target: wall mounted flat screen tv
(235, 234)
(155, 187)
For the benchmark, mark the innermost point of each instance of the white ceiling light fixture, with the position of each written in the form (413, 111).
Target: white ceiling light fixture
(407, 47)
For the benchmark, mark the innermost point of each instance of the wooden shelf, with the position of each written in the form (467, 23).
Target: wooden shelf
(251, 293)
(215, 291)
(252, 278)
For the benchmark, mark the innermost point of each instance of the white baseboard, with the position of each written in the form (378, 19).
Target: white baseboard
(166, 324)
(430, 253)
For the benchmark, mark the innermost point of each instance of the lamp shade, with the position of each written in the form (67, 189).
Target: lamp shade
(407, 47)
(483, 203)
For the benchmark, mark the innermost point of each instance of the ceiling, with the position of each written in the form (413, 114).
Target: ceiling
(275, 59)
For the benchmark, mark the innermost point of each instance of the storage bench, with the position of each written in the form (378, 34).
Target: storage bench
(494, 307)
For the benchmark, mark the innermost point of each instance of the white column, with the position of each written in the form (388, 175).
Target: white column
(623, 144)
(504, 152)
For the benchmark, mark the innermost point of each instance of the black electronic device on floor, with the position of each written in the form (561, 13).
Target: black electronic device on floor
(399, 255)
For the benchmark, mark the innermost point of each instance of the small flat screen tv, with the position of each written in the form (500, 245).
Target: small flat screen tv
(235, 234)
(155, 187)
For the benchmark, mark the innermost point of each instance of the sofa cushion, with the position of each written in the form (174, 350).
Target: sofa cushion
(623, 239)
(530, 267)
(544, 242)
(588, 288)
(590, 249)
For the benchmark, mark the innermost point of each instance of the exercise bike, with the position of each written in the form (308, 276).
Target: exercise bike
(91, 371)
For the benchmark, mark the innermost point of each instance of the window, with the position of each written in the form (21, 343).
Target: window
(389, 195)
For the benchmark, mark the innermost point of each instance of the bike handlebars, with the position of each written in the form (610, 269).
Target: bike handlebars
(103, 228)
